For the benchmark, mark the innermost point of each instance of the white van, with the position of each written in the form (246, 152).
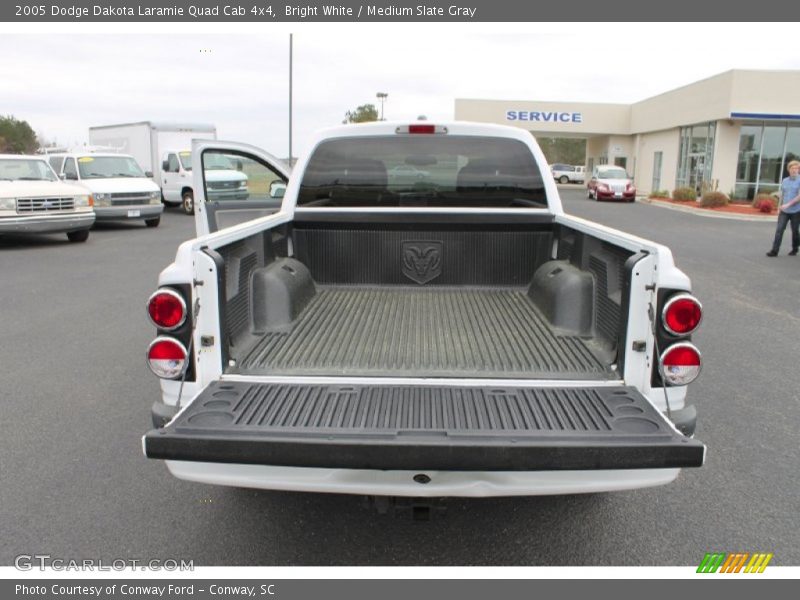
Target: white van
(121, 190)
(151, 143)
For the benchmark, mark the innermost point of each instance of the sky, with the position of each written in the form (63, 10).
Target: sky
(64, 78)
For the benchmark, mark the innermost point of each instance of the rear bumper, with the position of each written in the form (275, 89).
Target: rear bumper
(469, 484)
(407, 428)
(47, 223)
(139, 211)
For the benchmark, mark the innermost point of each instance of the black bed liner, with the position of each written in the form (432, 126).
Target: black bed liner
(419, 332)
(410, 427)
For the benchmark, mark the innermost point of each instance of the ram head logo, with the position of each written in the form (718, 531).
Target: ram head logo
(422, 261)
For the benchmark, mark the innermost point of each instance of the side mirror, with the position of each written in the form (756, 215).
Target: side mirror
(71, 176)
(277, 189)
(239, 165)
(148, 174)
(165, 166)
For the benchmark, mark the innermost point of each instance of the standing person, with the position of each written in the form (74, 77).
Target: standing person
(789, 211)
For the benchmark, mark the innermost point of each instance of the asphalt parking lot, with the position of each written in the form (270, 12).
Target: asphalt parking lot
(76, 400)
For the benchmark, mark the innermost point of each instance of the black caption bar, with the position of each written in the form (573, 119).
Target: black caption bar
(383, 11)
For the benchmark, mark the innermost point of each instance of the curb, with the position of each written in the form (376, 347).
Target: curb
(709, 213)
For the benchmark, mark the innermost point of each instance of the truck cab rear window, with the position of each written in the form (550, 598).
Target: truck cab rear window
(423, 171)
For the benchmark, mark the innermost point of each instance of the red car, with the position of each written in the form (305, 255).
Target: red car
(611, 183)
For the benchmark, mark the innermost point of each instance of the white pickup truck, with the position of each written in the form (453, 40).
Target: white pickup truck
(222, 179)
(454, 334)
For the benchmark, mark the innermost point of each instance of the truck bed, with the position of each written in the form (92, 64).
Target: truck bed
(499, 307)
(410, 332)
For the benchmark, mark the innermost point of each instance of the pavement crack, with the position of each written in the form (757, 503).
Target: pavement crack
(759, 307)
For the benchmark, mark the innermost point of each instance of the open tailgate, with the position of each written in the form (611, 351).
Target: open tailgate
(415, 427)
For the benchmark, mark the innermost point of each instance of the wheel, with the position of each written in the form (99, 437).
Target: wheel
(589, 193)
(78, 236)
(152, 222)
(563, 179)
(188, 202)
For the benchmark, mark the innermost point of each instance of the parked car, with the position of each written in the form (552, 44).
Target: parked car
(34, 200)
(568, 173)
(461, 338)
(610, 182)
(407, 172)
(120, 188)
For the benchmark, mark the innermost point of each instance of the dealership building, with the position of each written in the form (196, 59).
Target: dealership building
(734, 132)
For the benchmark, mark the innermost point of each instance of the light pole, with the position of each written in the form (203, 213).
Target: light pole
(382, 96)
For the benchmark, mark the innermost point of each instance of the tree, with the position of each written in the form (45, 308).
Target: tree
(17, 137)
(363, 114)
(571, 151)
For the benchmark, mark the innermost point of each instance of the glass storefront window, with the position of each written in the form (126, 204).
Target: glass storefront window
(657, 159)
(749, 150)
(695, 156)
(792, 148)
(771, 154)
(699, 137)
(764, 151)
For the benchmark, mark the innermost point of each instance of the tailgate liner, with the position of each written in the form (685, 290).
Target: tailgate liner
(405, 427)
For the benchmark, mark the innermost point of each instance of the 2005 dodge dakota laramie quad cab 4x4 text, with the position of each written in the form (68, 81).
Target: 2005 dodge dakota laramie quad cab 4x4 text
(453, 334)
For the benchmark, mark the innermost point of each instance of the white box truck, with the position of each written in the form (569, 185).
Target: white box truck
(163, 150)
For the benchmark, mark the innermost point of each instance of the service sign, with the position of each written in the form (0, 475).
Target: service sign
(544, 116)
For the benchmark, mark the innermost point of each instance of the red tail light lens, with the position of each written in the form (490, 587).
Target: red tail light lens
(682, 314)
(166, 309)
(680, 364)
(421, 128)
(166, 357)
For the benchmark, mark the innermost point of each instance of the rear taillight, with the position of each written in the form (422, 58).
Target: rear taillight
(680, 364)
(166, 357)
(682, 314)
(166, 309)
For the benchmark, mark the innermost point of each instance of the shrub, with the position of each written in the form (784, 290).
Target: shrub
(659, 194)
(765, 203)
(713, 199)
(684, 194)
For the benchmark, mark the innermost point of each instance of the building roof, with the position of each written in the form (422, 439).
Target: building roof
(166, 126)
